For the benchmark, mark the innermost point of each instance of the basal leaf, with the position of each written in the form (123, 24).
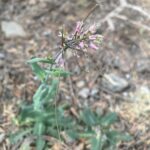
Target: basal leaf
(52, 132)
(88, 117)
(26, 145)
(108, 119)
(115, 136)
(98, 142)
(39, 129)
(14, 138)
(40, 143)
(28, 115)
(75, 134)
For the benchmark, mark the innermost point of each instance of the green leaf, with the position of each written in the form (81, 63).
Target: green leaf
(88, 117)
(14, 138)
(39, 129)
(58, 72)
(75, 134)
(40, 73)
(40, 143)
(86, 134)
(52, 132)
(26, 144)
(62, 122)
(115, 136)
(108, 119)
(28, 115)
(43, 60)
(39, 96)
(96, 143)
(38, 92)
(52, 90)
(125, 137)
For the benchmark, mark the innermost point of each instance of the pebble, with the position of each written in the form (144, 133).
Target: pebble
(114, 83)
(2, 56)
(2, 137)
(141, 94)
(84, 93)
(80, 84)
(94, 91)
(12, 29)
(1, 63)
(143, 65)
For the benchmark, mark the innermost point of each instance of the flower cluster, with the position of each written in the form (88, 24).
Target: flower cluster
(81, 39)
(87, 38)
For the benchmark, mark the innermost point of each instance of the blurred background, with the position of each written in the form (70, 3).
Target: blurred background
(116, 77)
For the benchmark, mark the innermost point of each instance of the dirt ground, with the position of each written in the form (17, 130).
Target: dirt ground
(125, 52)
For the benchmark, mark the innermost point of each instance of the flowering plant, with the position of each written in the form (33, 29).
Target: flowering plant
(43, 118)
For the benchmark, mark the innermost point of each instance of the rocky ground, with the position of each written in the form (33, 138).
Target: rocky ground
(117, 77)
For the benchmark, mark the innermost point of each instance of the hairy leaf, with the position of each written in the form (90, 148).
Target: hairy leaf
(108, 119)
(43, 60)
(14, 138)
(58, 72)
(115, 136)
(88, 117)
(40, 73)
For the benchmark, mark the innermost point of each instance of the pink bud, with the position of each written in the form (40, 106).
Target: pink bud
(79, 27)
(93, 46)
(92, 37)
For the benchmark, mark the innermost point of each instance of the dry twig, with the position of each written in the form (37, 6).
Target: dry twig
(115, 14)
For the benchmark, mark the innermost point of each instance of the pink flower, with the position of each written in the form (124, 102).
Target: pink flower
(81, 44)
(79, 27)
(92, 28)
(93, 46)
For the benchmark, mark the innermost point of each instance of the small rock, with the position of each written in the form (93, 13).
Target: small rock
(12, 29)
(122, 64)
(116, 62)
(2, 56)
(128, 76)
(143, 65)
(94, 91)
(47, 33)
(1, 63)
(114, 83)
(80, 84)
(84, 93)
(142, 94)
(2, 137)
(32, 2)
